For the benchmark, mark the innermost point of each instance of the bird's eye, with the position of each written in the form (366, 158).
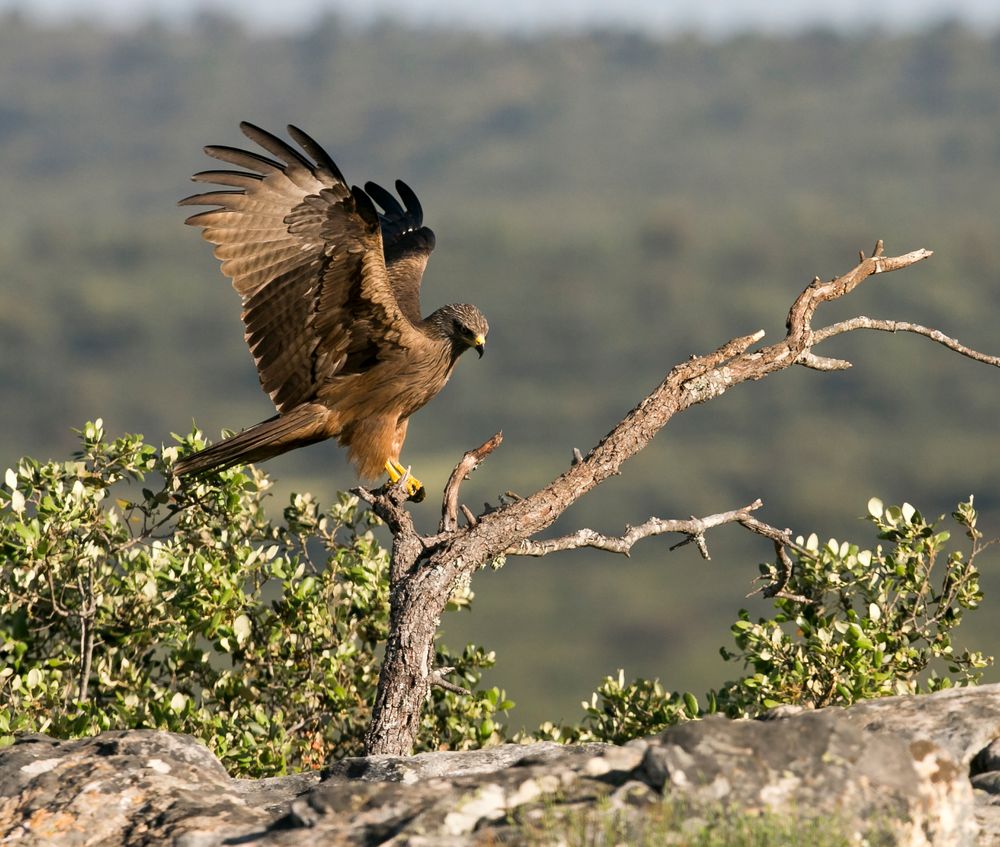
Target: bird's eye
(457, 326)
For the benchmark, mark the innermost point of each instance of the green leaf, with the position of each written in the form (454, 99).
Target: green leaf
(691, 704)
(241, 629)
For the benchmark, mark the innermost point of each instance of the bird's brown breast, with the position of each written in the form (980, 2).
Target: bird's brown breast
(397, 386)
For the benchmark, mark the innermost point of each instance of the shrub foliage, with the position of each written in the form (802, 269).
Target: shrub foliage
(852, 624)
(189, 609)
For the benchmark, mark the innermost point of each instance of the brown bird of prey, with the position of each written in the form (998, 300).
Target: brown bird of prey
(331, 304)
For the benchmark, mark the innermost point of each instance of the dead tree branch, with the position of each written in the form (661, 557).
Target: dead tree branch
(779, 577)
(862, 322)
(426, 570)
(470, 461)
(437, 680)
(692, 528)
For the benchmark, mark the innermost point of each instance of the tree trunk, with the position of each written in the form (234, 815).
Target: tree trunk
(416, 604)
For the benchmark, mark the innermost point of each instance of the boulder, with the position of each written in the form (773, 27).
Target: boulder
(907, 770)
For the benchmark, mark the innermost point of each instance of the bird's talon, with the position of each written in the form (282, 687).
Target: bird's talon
(395, 470)
(414, 487)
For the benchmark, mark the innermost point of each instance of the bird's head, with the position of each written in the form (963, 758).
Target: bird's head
(465, 325)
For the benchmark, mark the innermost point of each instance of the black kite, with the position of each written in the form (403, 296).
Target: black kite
(331, 304)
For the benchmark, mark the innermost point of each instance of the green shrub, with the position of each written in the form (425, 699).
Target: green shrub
(864, 623)
(853, 624)
(189, 609)
(618, 712)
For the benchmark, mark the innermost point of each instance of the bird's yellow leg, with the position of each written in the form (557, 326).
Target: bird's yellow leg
(414, 487)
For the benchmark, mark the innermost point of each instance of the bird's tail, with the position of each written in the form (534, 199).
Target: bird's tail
(256, 443)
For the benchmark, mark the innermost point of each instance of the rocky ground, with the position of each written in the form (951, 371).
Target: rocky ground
(924, 770)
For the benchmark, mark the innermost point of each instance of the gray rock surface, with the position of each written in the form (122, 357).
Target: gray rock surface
(821, 762)
(963, 721)
(925, 769)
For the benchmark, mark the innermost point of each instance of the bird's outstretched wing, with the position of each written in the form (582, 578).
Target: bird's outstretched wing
(407, 242)
(305, 252)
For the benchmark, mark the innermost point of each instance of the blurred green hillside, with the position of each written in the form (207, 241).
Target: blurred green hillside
(614, 204)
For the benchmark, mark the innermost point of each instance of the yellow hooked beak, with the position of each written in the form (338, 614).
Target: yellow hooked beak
(480, 345)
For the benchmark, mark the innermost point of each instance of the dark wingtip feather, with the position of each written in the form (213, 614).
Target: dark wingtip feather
(385, 199)
(238, 178)
(206, 198)
(313, 148)
(411, 202)
(270, 142)
(254, 132)
(242, 158)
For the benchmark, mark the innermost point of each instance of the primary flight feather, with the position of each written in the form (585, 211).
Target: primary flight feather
(331, 303)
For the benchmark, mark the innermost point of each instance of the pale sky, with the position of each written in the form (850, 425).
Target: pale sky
(709, 16)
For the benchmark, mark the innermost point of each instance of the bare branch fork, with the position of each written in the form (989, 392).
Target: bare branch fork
(425, 570)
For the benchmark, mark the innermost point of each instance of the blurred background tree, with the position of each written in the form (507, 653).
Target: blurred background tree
(615, 202)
